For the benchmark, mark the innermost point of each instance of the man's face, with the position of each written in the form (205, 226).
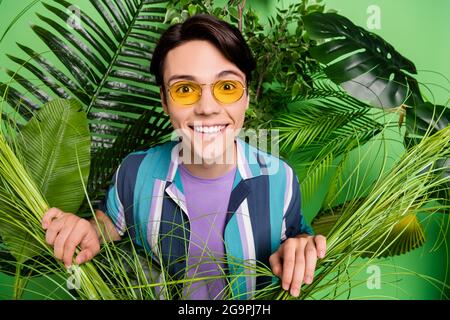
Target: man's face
(207, 127)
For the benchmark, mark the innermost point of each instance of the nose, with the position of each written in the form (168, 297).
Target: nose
(207, 104)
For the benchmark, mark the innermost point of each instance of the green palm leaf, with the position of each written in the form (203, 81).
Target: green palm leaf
(106, 65)
(22, 206)
(324, 221)
(134, 137)
(55, 149)
(324, 126)
(315, 124)
(363, 63)
(406, 235)
(422, 118)
(55, 145)
(428, 118)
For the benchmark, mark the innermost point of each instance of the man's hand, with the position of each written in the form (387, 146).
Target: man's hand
(65, 231)
(295, 261)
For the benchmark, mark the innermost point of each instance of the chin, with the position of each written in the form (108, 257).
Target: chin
(218, 151)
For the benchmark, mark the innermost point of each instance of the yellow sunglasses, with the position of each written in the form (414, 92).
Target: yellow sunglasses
(186, 93)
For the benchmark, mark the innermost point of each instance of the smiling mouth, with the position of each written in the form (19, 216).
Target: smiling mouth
(209, 129)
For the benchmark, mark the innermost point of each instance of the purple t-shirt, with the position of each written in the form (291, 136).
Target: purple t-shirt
(207, 204)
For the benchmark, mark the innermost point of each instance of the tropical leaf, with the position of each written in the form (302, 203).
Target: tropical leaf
(317, 122)
(319, 126)
(336, 185)
(314, 176)
(22, 206)
(36, 267)
(324, 221)
(55, 149)
(55, 145)
(313, 163)
(18, 241)
(422, 118)
(425, 119)
(104, 63)
(406, 235)
(320, 129)
(150, 129)
(363, 63)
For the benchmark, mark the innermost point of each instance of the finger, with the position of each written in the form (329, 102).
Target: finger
(51, 214)
(288, 263)
(61, 238)
(321, 245)
(84, 256)
(90, 246)
(276, 263)
(76, 236)
(53, 230)
(299, 271)
(310, 262)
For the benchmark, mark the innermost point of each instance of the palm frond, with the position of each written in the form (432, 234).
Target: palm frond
(310, 126)
(321, 125)
(54, 147)
(135, 137)
(321, 130)
(105, 66)
(406, 235)
(401, 191)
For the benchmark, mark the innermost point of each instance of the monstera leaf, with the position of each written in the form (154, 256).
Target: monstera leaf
(363, 63)
(55, 150)
(422, 118)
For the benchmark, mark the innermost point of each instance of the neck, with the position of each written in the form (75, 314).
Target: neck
(212, 170)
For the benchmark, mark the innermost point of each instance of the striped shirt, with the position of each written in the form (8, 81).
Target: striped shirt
(146, 200)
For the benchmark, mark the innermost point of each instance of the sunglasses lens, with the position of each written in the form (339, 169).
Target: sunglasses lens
(185, 92)
(228, 91)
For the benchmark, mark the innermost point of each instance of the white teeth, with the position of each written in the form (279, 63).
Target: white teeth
(211, 129)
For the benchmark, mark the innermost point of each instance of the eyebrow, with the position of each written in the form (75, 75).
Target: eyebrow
(192, 78)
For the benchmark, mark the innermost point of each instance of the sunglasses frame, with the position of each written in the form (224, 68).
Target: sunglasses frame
(211, 86)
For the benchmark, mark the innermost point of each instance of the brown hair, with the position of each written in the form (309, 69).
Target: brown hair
(225, 37)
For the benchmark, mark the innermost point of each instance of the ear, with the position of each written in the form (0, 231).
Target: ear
(163, 101)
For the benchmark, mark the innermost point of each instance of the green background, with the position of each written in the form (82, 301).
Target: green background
(419, 30)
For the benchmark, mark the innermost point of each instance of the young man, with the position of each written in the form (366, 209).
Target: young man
(209, 201)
